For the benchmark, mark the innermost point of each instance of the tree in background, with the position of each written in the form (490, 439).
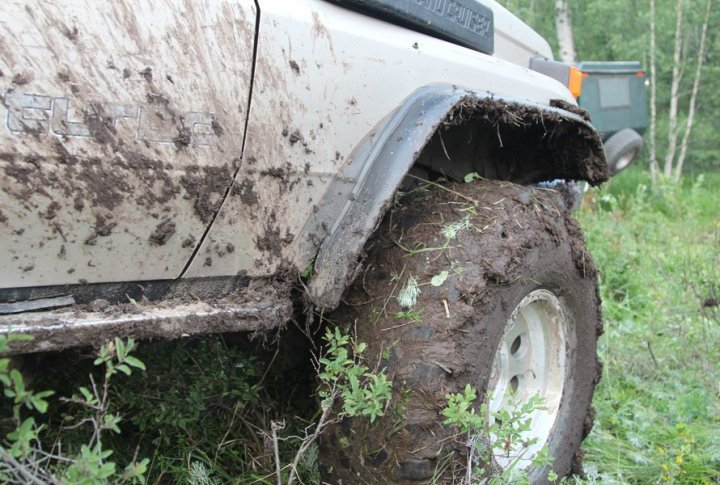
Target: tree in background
(674, 90)
(618, 30)
(675, 170)
(563, 25)
(654, 169)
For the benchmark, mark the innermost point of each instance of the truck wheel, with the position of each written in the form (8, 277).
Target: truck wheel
(507, 301)
(621, 149)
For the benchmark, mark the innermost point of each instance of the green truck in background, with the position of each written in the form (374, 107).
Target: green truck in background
(614, 93)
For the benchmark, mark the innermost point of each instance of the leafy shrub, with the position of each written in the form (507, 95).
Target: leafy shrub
(496, 435)
(24, 459)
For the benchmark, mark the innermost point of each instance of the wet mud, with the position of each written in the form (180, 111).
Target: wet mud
(507, 241)
(537, 144)
(255, 309)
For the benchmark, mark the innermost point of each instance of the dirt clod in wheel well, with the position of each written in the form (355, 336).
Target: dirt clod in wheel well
(522, 143)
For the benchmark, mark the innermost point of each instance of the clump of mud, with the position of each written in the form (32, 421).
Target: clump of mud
(494, 242)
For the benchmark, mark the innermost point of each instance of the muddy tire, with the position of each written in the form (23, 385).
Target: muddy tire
(507, 244)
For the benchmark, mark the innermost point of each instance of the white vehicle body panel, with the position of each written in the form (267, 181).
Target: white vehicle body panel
(162, 150)
(515, 41)
(121, 126)
(325, 77)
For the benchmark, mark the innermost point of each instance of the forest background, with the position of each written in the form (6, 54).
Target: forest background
(654, 232)
(620, 30)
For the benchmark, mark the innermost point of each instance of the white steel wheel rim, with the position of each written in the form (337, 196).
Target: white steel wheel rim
(531, 360)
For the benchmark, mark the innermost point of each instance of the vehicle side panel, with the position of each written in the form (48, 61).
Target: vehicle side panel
(121, 128)
(326, 77)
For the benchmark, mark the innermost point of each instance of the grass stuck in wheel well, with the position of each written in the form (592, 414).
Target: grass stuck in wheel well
(658, 404)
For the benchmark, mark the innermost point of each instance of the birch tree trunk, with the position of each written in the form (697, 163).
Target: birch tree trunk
(674, 93)
(693, 96)
(654, 168)
(564, 31)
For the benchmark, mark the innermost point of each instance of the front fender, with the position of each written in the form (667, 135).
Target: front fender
(384, 157)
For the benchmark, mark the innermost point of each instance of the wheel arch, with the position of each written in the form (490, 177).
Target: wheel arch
(454, 132)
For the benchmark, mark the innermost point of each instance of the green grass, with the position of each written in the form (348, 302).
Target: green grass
(204, 406)
(201, 413)
(658, 404)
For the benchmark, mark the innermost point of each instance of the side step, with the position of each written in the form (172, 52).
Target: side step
(250, 311)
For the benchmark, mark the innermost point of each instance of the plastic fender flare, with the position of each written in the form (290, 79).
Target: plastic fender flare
(378, 165)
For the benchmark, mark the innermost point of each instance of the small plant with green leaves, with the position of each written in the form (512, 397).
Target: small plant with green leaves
(22, 456)
(408, 295)
(348, 388)
(439, 278)
(200, 475)
(21, 443)
(471, 177)
(411, 315)
(343, 375)
(496, 436)
(452, 229)
(114, 357)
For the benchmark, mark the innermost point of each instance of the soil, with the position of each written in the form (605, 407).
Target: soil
(257, 310)
(536, 144)
(21, 79)
(282, 173)
(247, 192)
(217, 127)
(207, 187)
(189, 241)
(183, 139)
(295, 137)
(518, 239)
(101, 127)
(103, 228)
(162, 232)
(272, 242)
(71, 34)
(52, 210)
(147, 74)
(559, 103)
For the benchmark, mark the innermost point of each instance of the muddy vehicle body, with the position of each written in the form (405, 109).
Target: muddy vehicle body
(172, 168)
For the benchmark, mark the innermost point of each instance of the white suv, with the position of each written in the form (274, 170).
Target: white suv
(196, 158)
